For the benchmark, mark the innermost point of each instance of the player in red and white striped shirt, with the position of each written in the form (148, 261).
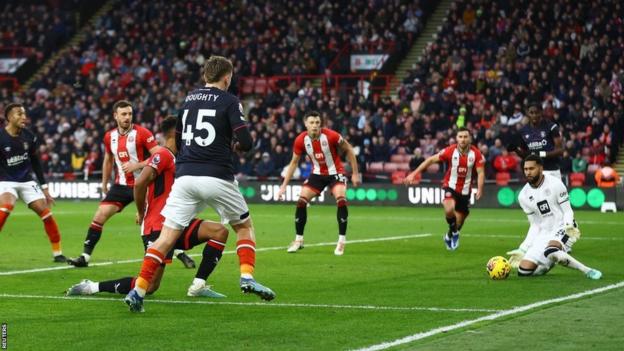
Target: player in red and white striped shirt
(321, 145)
(463, 161)
(126, 147)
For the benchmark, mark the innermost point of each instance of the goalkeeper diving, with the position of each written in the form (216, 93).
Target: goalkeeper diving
(552, 230)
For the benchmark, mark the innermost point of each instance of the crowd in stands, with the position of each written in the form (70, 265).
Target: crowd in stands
(489, 59)
(38, 26)
(492, 57)
(151, 53)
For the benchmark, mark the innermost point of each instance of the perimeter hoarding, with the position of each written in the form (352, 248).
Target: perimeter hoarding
(373, 194)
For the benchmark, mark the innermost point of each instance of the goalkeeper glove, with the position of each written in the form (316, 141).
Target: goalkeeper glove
(515, 256)
(572, 231)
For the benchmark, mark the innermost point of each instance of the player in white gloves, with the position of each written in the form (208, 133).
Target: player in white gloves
(552, 230)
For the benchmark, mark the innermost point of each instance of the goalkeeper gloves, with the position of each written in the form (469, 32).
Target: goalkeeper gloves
(515, 256)
(572, 231)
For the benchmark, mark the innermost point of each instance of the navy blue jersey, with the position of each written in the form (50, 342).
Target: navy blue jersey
(541, 138)
(15, 156)
(205, 127)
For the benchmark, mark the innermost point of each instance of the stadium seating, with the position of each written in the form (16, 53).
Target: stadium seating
(577, 179)
(482, 67)
(502, 178)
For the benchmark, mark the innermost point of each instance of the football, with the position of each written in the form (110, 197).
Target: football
(498, 268)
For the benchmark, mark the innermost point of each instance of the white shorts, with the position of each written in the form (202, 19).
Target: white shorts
(191, 194)
(28, 191)
(535, 253)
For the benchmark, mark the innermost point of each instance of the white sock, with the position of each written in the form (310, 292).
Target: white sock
(542, 269)
(94, 287)
(140, 291)
(246, 276)
(456, 233)
(198, 282)
(176, 252)
(298, 237)
(86, 256)
(342, 238)
(566, 260)
(57, 253)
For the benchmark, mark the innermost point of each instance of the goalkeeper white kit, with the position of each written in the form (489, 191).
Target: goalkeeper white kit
(550, 216)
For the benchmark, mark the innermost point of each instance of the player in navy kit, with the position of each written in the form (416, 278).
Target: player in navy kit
(151, 189)
(18, 159)
(209, 119)
(541, 138)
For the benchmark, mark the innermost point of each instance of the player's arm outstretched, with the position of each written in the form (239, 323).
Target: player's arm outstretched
(348, 150)
(480, 181)
(147, 176)
(107, 170)
(516, 255)
(294, 162)
(423, 166)
(569, 224)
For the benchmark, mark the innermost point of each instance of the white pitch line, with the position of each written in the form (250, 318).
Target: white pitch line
(263, 304)
(407, 217)
(56, 268)
(490, 317)
(411, 218)
(583, 237)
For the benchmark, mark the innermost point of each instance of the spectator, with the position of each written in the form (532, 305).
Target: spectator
(416, 159)
(505, 162)
(266, 166)
(579, 164)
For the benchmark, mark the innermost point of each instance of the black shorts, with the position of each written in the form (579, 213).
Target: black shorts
(318, 182)
(119, 195)
(187, 240)
(461, 201)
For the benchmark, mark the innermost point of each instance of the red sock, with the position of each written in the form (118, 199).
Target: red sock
(5, 211)
(153, 259)
(246, 251)
(51, 229)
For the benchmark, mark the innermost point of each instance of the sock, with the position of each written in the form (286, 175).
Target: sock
(5, 211)
(152, 260)
(298, 237)
(210, 257)
(523, 272)
(301, 215)
(117, 286)
(198, 282)
(246, 251)
(51, 229)
(452, 222)
(176, 252)
(542, 269)
(93, 236)
(555, 255)
(342, 238)
(341, 215)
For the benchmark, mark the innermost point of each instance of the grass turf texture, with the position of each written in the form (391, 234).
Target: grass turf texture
(415, 272)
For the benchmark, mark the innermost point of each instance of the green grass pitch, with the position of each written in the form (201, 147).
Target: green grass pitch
(395, 280)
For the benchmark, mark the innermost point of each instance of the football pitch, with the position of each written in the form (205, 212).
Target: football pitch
(396, 287)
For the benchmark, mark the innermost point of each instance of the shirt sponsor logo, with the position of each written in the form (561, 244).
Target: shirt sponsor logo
(543, 207)
(16, 160)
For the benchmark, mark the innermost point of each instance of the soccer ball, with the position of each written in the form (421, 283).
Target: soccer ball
(498, 268)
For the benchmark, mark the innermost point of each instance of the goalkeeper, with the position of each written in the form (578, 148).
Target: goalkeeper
(552, 230)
